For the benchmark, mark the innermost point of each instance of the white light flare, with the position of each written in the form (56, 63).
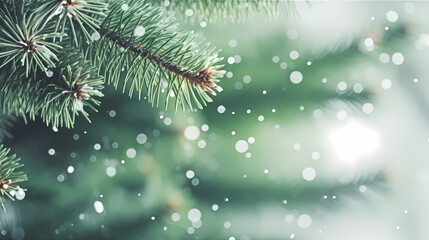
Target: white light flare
(354, 140)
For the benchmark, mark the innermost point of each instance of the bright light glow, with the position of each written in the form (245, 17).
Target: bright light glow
(354, 140)
(99, 207)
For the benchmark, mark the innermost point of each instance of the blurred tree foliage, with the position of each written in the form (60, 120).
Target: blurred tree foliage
(239, 195)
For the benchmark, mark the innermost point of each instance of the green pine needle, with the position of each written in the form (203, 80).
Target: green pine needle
(57, 95)
(227, 10)
(76, 16)
(24, 39)
(9, 177)
(141, 48)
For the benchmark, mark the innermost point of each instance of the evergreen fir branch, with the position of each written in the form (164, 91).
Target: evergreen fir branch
(140, 47)
(24, 39)
(57, 96)
(227, 10)
(6, 122)
(8, 176)
(75, 16)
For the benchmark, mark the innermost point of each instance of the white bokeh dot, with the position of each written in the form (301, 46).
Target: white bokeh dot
(70, 169)
(386, 83)
(304, 221)
(367, 108)
(397, 58)
(294, 55)
(51, 151)
(309, 174)
(296, 77)
(215, 207)
(342, 86)
(111, 171)
(384, 58)
(190, 174)
(194, 215)
(241, 146)
(139, 31)
(392, 16)
(131, 153)
(175, 217)
(221, 109)
(315, 155)
(141, 138)
(192, 133)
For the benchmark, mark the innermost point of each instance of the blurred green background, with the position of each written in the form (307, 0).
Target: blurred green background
(343, 154)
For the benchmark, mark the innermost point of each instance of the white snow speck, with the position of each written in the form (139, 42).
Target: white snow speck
(141, 138)
(175, 217)
(95, 36)
(111, 171)
(20, 194)
(397, 58)
(61, 178)
(304, 221)
(97, 146)
(362, 188)
(124, 7)
(78, 105)
(294, 55)
(233, 43)
(296, 77)
(194, 215)
(367, 108)
(221, 109)
(241, 146)
(205, 127)
(131, 153)
(227, 225)
(70, 169)
(202, 144)
(231, 60)
(215, 207)
(357, 88)
(247, 79)
(139, 31)
(384, 58)
(392, 16)
(51, 151)
(276, 59)
(99, 207)
(342, 86)
(309, 174)
(49, 73)
(386, 83)
(192, 132)
(315, 155)
(190, 174)
(189, 12)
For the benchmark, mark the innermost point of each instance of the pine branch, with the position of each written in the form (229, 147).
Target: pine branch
(9, 177)
(57, 95)
(24, 39)
(139, 47)
(77, 17)
(6, 123)
(227, 10)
